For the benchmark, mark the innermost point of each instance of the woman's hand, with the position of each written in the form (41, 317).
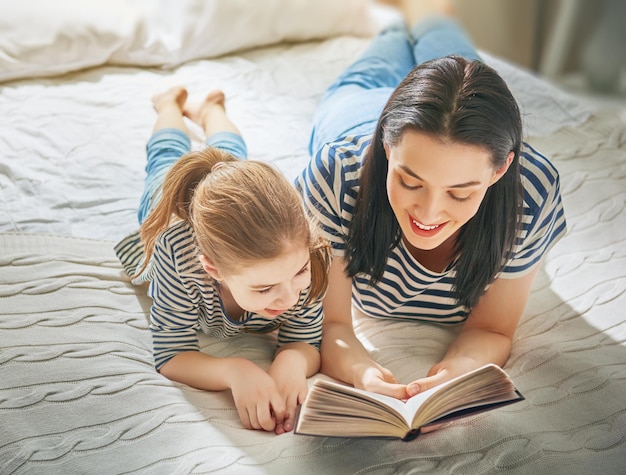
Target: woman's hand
(343, 355)
(487, 334)
(442, 372)
(257, 398)
(379, 380)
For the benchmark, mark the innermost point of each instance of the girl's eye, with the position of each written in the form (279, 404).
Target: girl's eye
(264, 291)
(303, 271)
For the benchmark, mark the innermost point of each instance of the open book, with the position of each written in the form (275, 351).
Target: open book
(336, 410)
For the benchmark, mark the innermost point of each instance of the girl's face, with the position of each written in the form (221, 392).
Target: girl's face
(269, 288)
(435, 187)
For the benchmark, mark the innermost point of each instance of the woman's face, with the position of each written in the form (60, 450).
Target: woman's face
(435, 187)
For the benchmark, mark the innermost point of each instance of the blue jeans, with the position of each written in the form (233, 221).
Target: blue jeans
(354, 102)
(165, 147)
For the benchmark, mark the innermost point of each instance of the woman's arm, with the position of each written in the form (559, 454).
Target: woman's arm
(343, 355)
(487, 333)
(255, 393)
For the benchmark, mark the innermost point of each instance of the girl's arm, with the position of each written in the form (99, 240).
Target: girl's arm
(292, 365)
(255, 393)
(343, 355)
(487, 333)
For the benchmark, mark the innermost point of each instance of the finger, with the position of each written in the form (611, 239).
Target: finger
(278, 406)
(431, 427)
(288, 423)
(244, 418)
(398, 391)
(279, 428)
(427, 383)
(267, 420)
(389, 376)
(290, 413)
(254, 419)
(302, 396)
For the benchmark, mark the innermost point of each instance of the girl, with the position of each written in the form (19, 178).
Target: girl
(441, 214)
(227, 248)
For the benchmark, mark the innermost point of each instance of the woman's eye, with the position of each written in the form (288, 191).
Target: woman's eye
(460, 198)
(405, 185)
(264, 291)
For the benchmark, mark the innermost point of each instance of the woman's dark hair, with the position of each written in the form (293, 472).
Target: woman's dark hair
(466, 102)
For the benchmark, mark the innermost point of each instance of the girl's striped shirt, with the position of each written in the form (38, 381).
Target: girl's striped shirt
(186, 299)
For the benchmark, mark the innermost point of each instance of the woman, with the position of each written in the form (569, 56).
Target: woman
(435, 209)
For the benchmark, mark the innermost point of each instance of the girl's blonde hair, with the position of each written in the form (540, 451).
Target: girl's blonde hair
(241, 211)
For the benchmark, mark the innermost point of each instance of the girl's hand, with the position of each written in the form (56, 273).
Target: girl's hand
(293, 363)
(258, 401)
(293, 389)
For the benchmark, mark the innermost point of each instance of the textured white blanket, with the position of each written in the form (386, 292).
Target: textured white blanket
(78, 391)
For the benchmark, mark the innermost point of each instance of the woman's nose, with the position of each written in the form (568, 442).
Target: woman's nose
(429, 209)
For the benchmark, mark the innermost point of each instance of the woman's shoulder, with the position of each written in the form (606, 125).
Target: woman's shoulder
(534, 163)
(345, 153)
(540, 177)
(336, 163)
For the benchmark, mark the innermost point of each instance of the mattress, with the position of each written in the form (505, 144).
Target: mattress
(79, 393)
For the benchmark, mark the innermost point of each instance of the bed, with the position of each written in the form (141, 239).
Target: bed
(78, 391)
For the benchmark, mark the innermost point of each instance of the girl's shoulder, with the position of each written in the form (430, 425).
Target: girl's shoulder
(178, 240)
(176, 234)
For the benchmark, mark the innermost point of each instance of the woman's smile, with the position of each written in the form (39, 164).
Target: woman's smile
(425, 230)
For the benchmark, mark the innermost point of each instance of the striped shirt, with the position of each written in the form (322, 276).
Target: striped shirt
(185, 299)
(407, 289)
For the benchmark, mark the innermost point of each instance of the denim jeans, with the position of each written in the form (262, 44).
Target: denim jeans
(353, 103)
(165, 147)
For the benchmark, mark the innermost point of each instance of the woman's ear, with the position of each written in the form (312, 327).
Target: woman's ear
(502, 170)
(210, 269)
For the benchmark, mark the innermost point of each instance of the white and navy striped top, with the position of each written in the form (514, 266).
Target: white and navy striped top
(185, 299)
(407, 289)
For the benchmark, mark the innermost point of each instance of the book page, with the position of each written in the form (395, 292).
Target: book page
(333, 408)
(486, 385)
(387, 402)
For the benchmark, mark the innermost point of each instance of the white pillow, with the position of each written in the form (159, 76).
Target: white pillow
(43, 37)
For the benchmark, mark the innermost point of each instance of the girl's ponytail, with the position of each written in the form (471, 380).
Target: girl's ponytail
(176, 195)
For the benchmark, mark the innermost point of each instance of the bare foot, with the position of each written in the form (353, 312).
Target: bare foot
(202, 112)
(176, 95)
(415, 10)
